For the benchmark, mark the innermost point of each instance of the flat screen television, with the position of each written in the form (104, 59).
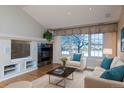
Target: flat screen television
(20, 49)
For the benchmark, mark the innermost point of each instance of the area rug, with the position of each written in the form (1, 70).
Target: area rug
(77, 82)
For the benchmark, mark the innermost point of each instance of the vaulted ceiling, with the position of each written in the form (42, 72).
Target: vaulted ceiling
(58, 16)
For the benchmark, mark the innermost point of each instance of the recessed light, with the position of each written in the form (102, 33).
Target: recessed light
(69, 13)
(90, 8)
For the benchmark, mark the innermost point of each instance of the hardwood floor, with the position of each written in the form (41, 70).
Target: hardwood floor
(31, 75)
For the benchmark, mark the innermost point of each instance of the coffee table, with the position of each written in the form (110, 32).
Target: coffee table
(67, 71)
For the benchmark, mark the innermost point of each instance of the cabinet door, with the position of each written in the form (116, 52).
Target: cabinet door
(5, 51)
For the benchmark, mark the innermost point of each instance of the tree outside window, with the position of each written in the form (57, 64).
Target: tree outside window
(83, 43)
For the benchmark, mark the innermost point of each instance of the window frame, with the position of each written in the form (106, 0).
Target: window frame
(89, 47)
(97, 44)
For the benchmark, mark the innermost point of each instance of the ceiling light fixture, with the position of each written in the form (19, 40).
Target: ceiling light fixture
(69, 13)
(90, 8)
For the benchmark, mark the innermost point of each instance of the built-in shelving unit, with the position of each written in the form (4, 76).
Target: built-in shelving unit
(17, 67)
(11, 69)
(30, 64)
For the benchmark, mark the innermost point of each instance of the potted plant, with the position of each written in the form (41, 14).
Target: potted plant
(48, 36)
(64, 60)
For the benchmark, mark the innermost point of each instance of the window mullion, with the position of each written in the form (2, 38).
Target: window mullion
(89, 45)
(70, 46)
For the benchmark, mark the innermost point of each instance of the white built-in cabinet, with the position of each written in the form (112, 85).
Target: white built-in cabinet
(11, 68)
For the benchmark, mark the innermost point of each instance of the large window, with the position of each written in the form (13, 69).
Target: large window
(75, 44)
(65, 44)
(89, 45)
(96, 45)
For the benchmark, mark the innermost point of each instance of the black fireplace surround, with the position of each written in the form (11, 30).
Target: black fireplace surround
(45, 54)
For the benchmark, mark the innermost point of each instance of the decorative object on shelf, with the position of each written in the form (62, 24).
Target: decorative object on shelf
(64, 60)
(122, 40)
(107, 52)
(48, 35)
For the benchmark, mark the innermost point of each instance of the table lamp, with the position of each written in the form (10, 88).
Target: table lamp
(107, 52)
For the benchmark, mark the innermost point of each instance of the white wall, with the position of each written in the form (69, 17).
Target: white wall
(56, 49)
(5, 51)
(15, 21)
(17, 24)
(110, 41)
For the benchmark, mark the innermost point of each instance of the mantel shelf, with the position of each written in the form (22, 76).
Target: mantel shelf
(11, 36)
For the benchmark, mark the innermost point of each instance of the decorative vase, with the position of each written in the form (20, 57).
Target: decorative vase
(64, 64)
(64, 60)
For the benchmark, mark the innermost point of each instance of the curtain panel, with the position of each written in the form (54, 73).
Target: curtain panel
(101, 28)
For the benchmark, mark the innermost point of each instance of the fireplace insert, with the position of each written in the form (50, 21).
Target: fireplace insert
(45, 54)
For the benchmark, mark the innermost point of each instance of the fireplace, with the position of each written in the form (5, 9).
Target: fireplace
(45, 52)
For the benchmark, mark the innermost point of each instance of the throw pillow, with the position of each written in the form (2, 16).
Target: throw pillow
(114, 61)
(76, 57)
(106, 63)
(116, 73)
(119, 63)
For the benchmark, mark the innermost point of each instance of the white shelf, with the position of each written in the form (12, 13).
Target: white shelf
(9, 73)
(12, 36)
(11, 69)
(30, 64)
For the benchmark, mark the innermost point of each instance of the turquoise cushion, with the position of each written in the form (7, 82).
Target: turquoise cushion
(106, 63)
(116, 73)
(76, 57)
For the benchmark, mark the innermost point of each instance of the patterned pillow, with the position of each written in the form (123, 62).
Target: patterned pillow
(115, 60)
